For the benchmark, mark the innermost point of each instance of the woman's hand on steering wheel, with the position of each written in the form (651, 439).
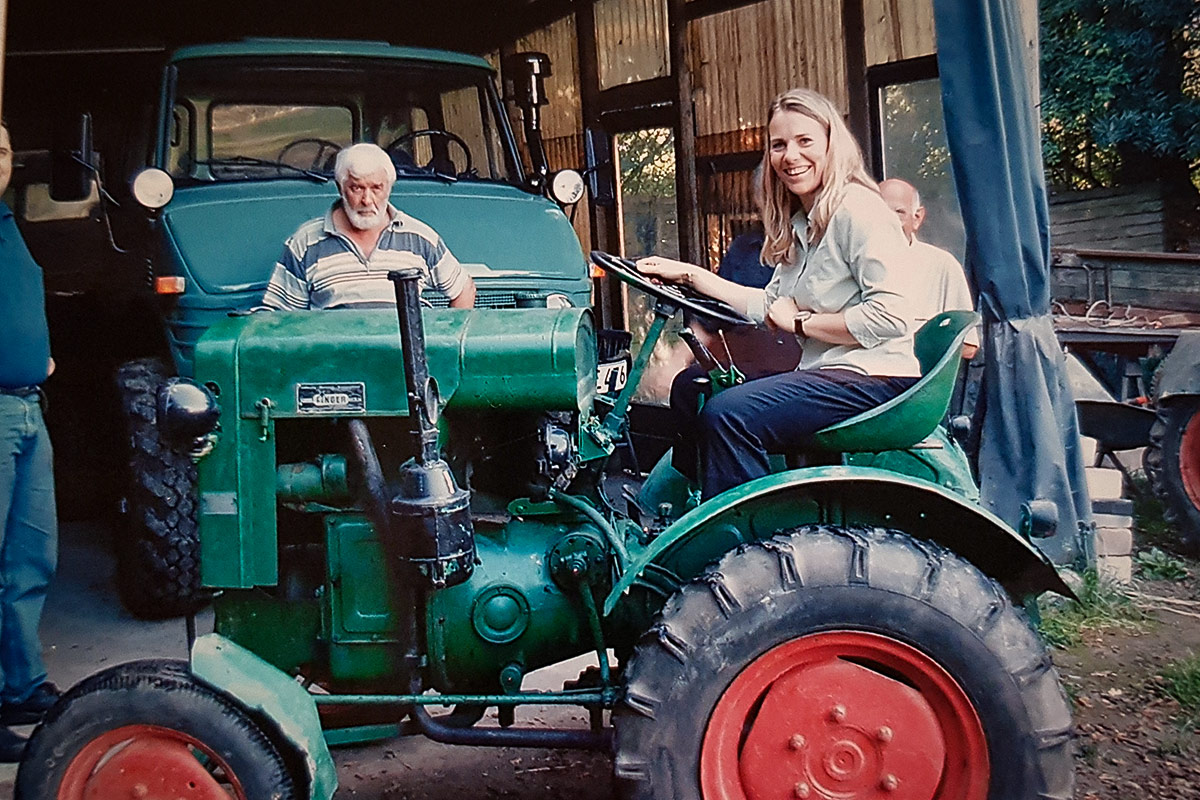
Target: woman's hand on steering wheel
(667, 270)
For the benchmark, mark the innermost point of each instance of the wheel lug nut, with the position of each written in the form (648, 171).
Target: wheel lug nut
(889, 783)
(838, 713)
(797, 742)
(803, 789)
(884, 734)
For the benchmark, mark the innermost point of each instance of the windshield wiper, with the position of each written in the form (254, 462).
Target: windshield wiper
(251, 161)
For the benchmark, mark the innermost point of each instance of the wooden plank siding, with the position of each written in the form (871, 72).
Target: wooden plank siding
(631, 41)
(898, 29)
(1129, 218)
(1163, 281)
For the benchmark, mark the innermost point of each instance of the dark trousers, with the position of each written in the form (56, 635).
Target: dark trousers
(739, 427)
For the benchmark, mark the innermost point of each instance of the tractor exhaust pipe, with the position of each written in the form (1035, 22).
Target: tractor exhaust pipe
(431, 515)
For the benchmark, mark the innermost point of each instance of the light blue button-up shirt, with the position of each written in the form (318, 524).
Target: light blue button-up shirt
(860, 268)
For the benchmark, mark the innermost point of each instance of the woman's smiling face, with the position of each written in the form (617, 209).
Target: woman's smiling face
(799, 150)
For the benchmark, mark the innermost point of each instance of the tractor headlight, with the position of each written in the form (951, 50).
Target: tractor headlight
(557, 300)
(188, 415)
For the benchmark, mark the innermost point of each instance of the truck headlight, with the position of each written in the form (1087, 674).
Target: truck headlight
(188, 415)
(557, 300)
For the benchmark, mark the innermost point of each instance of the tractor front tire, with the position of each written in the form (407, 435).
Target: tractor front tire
(842, 663)
(149, 729)
(1172, 463)
(158, 547)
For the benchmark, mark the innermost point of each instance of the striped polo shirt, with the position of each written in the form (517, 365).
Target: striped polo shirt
(321, 268)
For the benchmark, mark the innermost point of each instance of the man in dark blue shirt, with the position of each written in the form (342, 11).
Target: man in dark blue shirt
(28, 521)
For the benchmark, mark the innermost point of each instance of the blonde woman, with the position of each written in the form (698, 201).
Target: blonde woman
(840, 261)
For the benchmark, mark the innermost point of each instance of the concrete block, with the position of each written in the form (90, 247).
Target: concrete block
(1115, 568)
(1105, 484)
(1122, 507)
(1114, 541)
(1112, 520)
(1087, 450)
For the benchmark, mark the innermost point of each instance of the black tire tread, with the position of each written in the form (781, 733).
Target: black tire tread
(159, 552)
(693, 621)
(1160, 461)
(180, 701)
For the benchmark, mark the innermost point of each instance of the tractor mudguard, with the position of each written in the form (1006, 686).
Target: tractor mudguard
(1180, 370)
(761, 508)
(269, 693)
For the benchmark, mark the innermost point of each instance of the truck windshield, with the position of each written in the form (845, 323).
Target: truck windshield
(266, 118)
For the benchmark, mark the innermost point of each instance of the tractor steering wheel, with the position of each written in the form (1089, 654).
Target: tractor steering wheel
(395, 149)
(699, 304)
(323, 156)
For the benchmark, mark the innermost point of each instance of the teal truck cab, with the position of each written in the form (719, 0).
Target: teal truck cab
(244, 150)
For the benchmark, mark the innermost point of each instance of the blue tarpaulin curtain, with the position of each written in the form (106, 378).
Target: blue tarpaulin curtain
(1029, 446)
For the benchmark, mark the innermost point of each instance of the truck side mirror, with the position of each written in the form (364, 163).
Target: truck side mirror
(525, 85)
(597, 146)
(72, 165)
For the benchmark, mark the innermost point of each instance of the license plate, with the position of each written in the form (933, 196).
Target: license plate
(611, 376)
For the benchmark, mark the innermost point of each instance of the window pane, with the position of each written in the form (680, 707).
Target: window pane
(915, 149)
(649, 223)
(263, 131)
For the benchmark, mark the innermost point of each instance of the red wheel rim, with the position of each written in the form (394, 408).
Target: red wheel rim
(1189, 459)
(846, 715)
(151, 763)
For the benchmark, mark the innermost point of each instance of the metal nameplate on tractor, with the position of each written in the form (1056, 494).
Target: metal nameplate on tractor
(330, 398)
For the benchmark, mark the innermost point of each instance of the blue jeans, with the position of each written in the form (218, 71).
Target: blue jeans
(29, 547)
(779, 414)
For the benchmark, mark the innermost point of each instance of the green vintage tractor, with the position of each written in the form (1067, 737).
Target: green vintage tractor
(400, 518)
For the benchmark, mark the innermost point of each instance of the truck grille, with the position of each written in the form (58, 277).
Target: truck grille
(483, 299)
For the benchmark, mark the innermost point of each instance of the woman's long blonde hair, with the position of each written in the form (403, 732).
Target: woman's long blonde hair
(844, 165)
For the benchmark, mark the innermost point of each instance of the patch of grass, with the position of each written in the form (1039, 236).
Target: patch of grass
(1102, 605)
(1157, 565)
(1181, 682)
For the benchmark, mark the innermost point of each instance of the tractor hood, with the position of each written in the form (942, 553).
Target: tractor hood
(225, 238)
(348, 362)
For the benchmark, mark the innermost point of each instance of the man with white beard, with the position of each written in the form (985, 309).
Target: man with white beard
(341, 260)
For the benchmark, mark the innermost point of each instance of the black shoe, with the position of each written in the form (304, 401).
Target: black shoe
(12, 746)
(31, 710)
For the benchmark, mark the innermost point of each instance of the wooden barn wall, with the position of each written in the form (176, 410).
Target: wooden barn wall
(734, 76)
(898, 29)
(631, 41)
(562, 119)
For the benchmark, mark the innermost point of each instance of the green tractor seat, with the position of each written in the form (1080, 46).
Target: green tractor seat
(909, 417)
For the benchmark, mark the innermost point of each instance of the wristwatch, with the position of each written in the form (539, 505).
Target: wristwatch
(800, 319)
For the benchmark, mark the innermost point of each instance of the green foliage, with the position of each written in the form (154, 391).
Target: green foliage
(1180, 680)
(1102, 604)
(1118, 75)
(1155, 565)
(647, 162)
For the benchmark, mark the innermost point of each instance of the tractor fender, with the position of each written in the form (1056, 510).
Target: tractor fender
(1180, 370)
(843, 495)
(269, 693)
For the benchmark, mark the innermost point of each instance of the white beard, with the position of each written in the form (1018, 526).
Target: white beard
(365, 220)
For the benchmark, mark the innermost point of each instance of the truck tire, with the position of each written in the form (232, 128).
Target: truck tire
(1172, 463)
(158, 547)
(842, 662)
(149, 729)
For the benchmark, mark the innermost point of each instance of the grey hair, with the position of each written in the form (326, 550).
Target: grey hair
(363, 160)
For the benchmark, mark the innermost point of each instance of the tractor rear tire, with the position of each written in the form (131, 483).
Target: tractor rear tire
(1172, 463)
(150, 729)
(842, 662)
(158, 547)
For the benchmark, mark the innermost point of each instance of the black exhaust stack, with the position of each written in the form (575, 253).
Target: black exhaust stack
(430, 513)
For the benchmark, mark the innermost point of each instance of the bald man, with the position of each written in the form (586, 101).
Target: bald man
(946, 279)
